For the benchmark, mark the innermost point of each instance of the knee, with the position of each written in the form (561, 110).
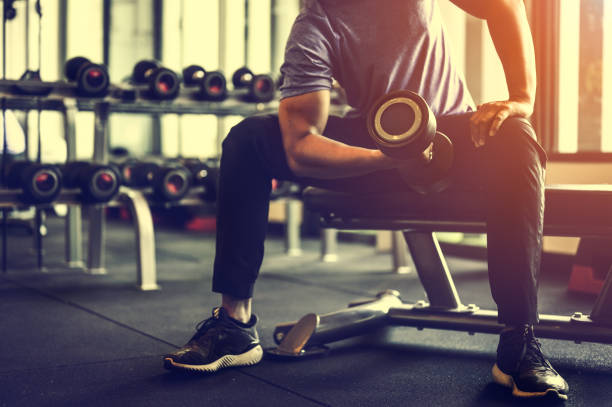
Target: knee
(516, 142)
(238, 140)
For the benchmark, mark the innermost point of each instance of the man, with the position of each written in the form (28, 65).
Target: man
(373, 47)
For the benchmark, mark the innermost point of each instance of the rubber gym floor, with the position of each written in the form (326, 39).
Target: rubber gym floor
(68, 338)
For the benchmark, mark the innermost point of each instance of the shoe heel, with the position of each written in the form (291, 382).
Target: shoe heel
(501, 378)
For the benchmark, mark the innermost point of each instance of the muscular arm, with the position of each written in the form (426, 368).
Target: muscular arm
(509, 28)
(309, 154)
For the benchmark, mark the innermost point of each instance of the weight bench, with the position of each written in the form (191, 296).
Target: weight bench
(571, 210)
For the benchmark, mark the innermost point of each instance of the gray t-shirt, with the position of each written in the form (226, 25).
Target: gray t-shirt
(372, 47)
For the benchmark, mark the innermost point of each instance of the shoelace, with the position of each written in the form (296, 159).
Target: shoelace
(203, 326)
(534, 354)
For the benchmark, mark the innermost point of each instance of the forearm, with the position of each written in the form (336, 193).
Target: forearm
(316, 156)
(511, 35)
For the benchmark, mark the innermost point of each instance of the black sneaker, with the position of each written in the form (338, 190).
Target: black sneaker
(522, 366)
(219, 342)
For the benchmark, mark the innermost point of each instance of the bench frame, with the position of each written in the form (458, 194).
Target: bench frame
(443, 308)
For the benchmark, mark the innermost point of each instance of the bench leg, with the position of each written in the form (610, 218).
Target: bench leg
(329, 245)
(145, 239)
(602, 310)
(433, 270)
(402, 263)
(292, 228)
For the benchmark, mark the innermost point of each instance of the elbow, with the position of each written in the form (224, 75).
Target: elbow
(294, 162)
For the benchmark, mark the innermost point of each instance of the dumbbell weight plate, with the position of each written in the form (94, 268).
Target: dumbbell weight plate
(138, 174)
(193, 74)
(92, 79)
(142, 70)
(401, 124)
(242, 77)
(261, 89)
(101, 183)
(213, 86)
(172, 183)
(72, 66)
(164, 84)
(434, 176)
(42, 184)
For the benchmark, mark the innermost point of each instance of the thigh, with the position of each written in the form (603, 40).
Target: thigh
(515, 141)
(469, 162)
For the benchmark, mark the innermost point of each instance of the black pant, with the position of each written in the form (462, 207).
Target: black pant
(510, 168)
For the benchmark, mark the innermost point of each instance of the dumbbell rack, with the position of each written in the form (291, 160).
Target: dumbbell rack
(63, 100)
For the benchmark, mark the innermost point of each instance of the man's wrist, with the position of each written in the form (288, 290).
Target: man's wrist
(383, 161)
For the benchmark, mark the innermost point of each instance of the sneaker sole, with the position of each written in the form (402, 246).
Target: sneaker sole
(248, 358)
(505, 380)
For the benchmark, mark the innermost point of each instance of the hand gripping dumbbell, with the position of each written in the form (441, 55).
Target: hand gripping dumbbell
(98, 183)
(162, 83)
(212, 85)
(170, 182)
(205, 175)
(403, 126)
(91, 79)
(40, 183)
(256, 88)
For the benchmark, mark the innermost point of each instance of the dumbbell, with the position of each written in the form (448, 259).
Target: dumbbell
(205, 175)
(213, 85)
(256, 88)
(98, 183)
(403, 126)
(170, 182)
(40, 183)
(91, 79)
(162, 83)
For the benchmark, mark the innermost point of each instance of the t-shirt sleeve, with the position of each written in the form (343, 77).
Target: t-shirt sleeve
(308, 66)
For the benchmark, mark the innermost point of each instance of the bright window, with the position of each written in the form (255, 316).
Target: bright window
(585, 76)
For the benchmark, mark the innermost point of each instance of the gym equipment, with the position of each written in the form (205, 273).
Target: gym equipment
(403, 126)
(205, 175)
(40, 183)
(98, 183)
(91, 79)
(285, 189)
(163, 84)
(212, 84)
(170, 182)
(591, 264)
(308, 336)
(30, 83)
(256, 88)
(571, 210)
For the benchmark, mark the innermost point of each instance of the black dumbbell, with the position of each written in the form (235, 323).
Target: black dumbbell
(91, 79)
(213, 85)
(257, 88)
(40, 183)
(403, 126)
(162, 82)
(204, 175)
(170, 182)
(98, 183)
